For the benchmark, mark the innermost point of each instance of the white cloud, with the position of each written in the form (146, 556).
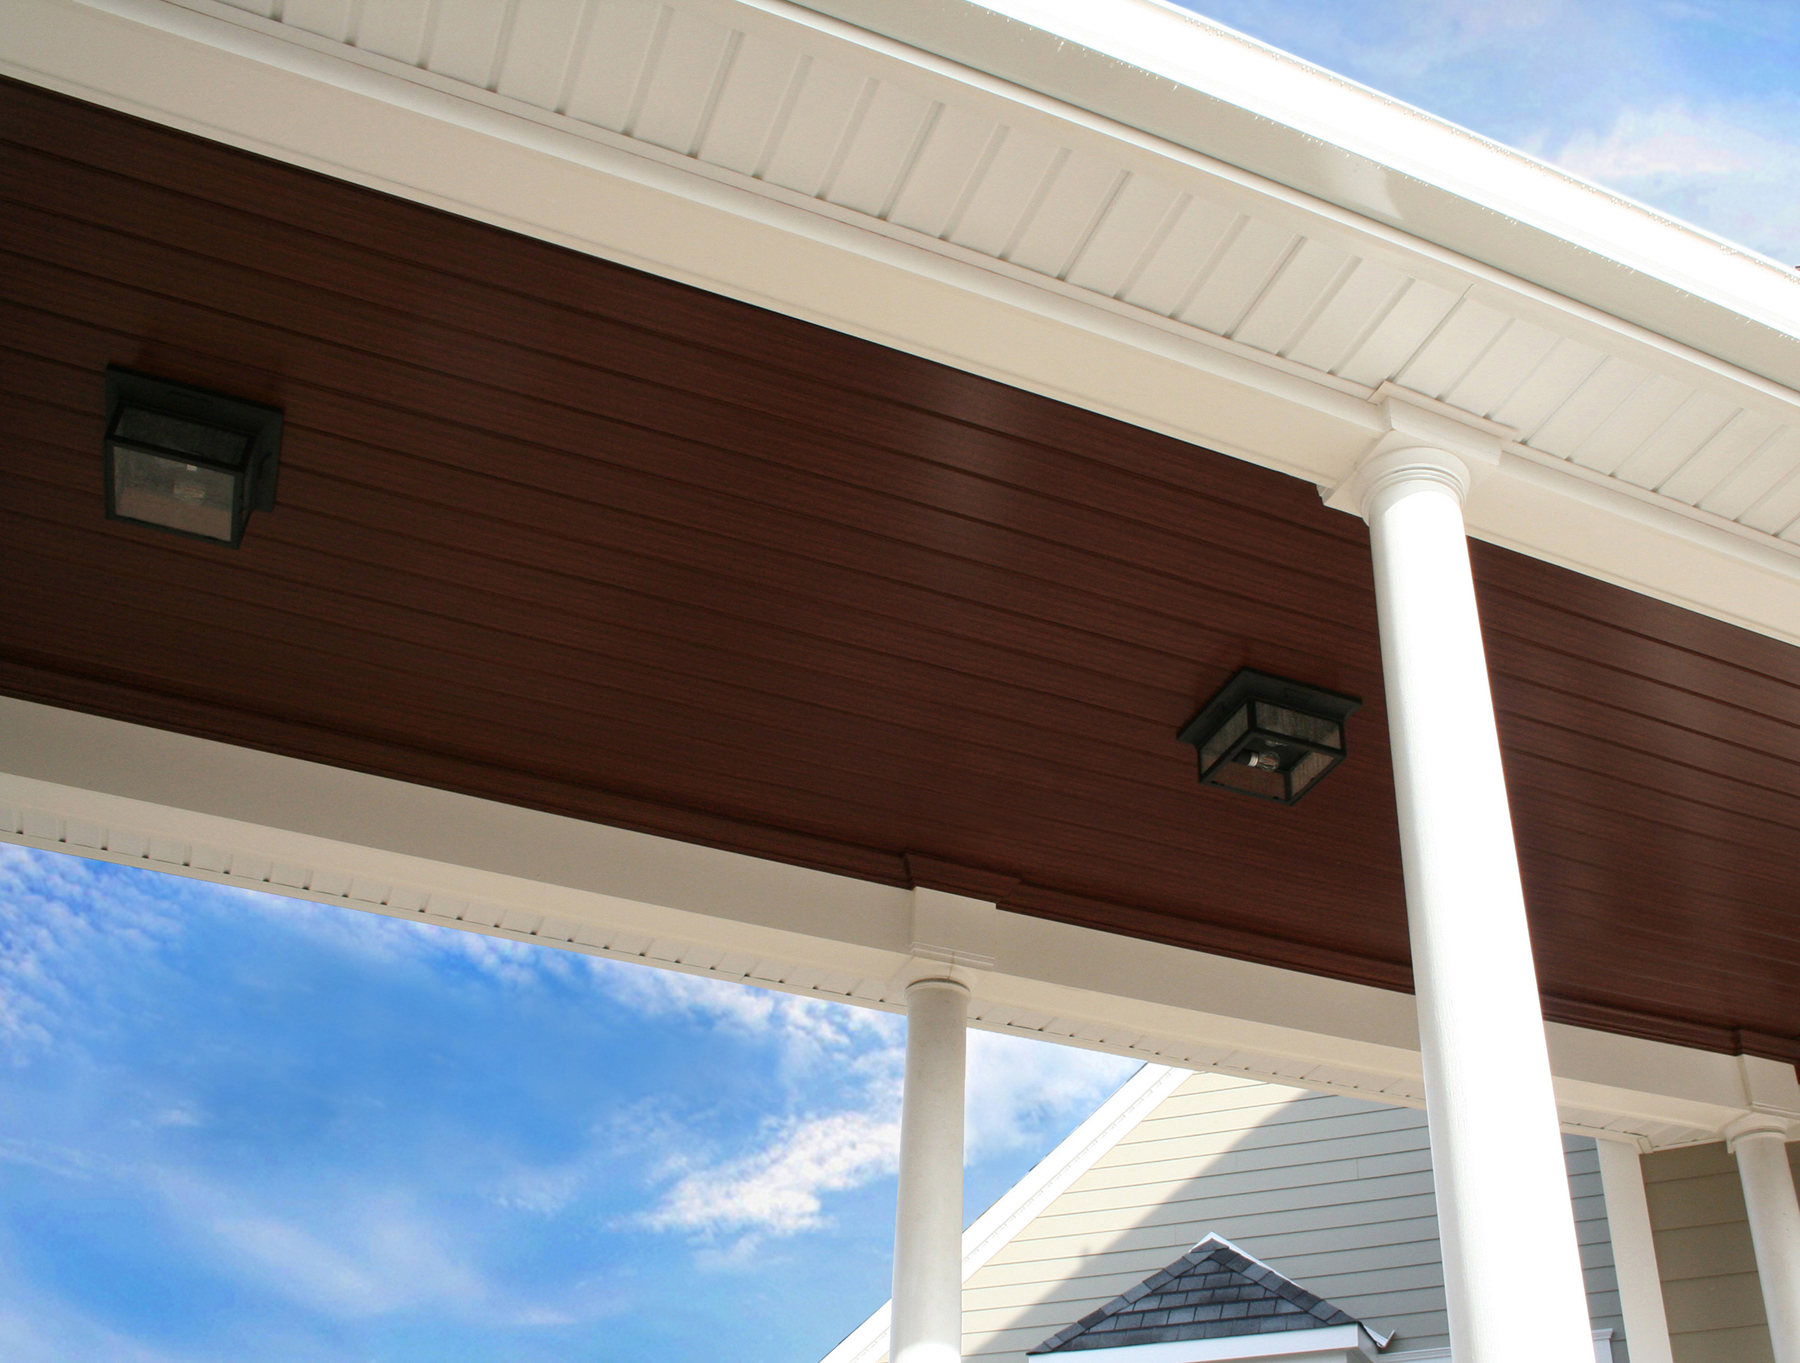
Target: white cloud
(1018, 1091)
(35, 1328)
(57, 920)
(349, 1257)
(1689, 107)
(1019, 1088)
(831, 1122)
(777, 1189)
(810, 1036)
(1726, 168)
(53, 1157)
(1666, 141)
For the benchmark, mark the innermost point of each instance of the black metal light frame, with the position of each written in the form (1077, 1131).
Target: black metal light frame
(198, 428)
(1268, 737)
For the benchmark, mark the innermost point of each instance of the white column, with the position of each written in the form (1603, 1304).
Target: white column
(1634, 1253)
(1760, 1143)
(1504, 1215)
(927, 1311)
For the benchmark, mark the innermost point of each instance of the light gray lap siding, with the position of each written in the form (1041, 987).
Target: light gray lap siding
(1332, 1191)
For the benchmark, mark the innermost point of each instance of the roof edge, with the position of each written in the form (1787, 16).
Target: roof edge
(1178, 76)
(1206, 1247)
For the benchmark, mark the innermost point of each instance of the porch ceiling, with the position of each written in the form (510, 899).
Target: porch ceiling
(562, 534)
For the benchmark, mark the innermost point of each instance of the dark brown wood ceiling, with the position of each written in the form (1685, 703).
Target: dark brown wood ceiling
(554, 532)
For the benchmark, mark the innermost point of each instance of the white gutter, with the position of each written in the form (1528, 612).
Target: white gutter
(1179, 76)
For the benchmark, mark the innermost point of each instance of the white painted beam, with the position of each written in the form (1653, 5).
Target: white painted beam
(138, 796)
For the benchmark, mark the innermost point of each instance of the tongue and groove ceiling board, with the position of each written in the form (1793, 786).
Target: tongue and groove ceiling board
(555, 532)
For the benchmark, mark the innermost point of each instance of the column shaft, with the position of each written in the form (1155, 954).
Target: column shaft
(927, 1310)
(1774, 1231)
(1634, 1253)
(1504, 1214)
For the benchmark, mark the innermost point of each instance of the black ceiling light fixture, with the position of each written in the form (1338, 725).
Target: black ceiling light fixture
(187, 459)
(1269, 737)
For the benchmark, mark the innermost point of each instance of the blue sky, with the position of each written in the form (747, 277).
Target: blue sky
(240, 1127)
(1693, 108)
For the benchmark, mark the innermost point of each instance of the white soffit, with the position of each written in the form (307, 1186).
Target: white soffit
(136, 796)
(1219, 92)
(777, 155)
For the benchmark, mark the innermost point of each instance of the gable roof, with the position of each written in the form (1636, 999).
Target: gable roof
(1214, 1291)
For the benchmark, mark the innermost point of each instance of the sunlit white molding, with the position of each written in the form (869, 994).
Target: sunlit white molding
(1325, 1344)
(128, 794)
(276, 89)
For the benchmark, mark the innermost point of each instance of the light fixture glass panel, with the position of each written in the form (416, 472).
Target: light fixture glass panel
(1268, 736)
(177, 435)
(1267, 785)
(1279, 719)
(1232, 730)
(1307, 770)
(168, 492)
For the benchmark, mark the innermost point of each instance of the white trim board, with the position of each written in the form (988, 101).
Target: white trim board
(1603, 1349)
(258, 84)
(126, 793)
(1329, 1344)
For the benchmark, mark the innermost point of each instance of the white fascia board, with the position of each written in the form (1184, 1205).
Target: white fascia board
(252, 83)
(133, 795)
(1048, 1179)
(1331, 1344)
(1184, 77)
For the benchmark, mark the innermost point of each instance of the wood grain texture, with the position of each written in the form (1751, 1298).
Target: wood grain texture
(555, 532)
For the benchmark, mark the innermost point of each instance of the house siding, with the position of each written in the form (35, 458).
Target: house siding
(1704, 1256)
(1334, 1192)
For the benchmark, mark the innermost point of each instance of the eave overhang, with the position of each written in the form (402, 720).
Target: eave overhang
(1127, 273)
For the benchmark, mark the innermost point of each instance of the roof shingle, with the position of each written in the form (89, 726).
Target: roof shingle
(1214, 1291)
